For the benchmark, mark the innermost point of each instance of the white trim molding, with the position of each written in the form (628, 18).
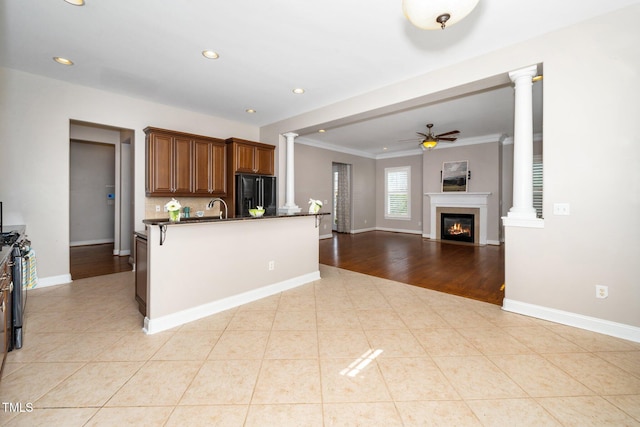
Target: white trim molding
(614, 329)
(163, 323)
(44, 282)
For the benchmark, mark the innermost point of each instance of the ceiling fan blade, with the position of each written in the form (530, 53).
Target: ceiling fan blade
(424, 135)
(447, 139)
(409, 140)
(448, 133)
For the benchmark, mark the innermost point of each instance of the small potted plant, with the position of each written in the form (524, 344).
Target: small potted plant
(173, 206)
(314, 206)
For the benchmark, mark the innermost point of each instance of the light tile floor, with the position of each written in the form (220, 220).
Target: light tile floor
(346, 350)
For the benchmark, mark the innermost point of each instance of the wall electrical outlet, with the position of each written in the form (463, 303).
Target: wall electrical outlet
(157, 208)
(272, 265)
(602, 291)
(561, 209)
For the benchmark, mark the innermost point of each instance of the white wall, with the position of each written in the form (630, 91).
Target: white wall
(591, 87)
(313, 172)
(34, 132)
(484, 165)
(414, 224)
(92, 177)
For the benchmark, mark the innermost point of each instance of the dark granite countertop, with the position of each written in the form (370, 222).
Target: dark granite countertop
(207, 219)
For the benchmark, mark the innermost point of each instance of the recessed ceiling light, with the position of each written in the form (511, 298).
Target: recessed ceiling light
(210, 54)
(298, 90)
(321, 130)
(63, 61)
(75, 2)
(250, 110)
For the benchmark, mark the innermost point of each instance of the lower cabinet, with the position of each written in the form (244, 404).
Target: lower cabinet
(5, 313)
(141, 273)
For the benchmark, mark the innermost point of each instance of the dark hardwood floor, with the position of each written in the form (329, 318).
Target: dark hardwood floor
(475, 272)
(96, 260)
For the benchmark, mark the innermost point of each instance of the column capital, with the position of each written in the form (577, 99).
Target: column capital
(290, 135)
(530, 72)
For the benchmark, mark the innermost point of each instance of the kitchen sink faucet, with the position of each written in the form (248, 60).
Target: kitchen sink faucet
(218, 199)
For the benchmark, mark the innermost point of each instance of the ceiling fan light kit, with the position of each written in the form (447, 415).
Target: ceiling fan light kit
(428, 145)
(435, 14)
(430, 140)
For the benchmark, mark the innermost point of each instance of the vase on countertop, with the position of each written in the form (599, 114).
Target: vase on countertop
(174, 216)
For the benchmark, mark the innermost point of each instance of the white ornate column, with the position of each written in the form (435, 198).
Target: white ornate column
(290, 206)
(522, 210)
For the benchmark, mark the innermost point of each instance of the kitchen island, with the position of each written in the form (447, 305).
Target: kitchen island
(201, 266)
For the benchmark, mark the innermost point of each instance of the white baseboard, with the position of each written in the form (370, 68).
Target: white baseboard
(619, 330)
(91, 242)
(363, 230)
(44, 282)
(152, 326)
(326, 236)
(121, 252)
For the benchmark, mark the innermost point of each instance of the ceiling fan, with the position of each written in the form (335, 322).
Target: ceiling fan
(430, 140)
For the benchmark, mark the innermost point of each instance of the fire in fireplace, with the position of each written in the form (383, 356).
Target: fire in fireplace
(457, 227)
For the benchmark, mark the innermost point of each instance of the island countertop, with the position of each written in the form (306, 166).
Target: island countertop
(204, 219)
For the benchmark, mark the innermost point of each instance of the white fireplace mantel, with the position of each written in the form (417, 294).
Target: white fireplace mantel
(460, 200)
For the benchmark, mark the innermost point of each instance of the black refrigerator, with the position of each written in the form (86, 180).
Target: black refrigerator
(255, 190)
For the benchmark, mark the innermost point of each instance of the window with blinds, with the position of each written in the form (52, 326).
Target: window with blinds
(537, 184)
(397, 192)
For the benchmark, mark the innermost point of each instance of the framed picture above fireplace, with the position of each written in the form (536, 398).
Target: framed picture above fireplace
(455, 176)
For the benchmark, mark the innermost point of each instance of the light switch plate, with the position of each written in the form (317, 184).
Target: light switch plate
(561, 209)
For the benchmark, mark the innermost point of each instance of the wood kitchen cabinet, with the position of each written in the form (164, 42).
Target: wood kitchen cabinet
(251, 157)
(168, 164)
(5, 313)
(181, 164)
(209, 166)
(141, 272)
(245, 156)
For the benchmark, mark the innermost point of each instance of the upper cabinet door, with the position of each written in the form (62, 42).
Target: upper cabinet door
(159, 163)
(182, 166)
(201, 167)
(219, 168)
(264, 160)
(244, 158)
(209, 167)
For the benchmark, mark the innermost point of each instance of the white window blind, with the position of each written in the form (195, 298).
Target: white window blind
(397, 192)
(537, 184)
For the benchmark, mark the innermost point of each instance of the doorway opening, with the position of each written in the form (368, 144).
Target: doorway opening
(100, 199)
(341, 193)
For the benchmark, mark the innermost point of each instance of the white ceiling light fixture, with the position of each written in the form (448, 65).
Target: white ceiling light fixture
(75, 2)
(250, 110)
(210, 54)
(298, 90)
(62, 61)
(435, 14)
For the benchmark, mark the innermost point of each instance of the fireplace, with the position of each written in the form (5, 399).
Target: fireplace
(456, 203)
(458, 227)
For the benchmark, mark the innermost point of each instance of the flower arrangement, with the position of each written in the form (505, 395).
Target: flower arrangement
(314, 206)
(173, 206)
